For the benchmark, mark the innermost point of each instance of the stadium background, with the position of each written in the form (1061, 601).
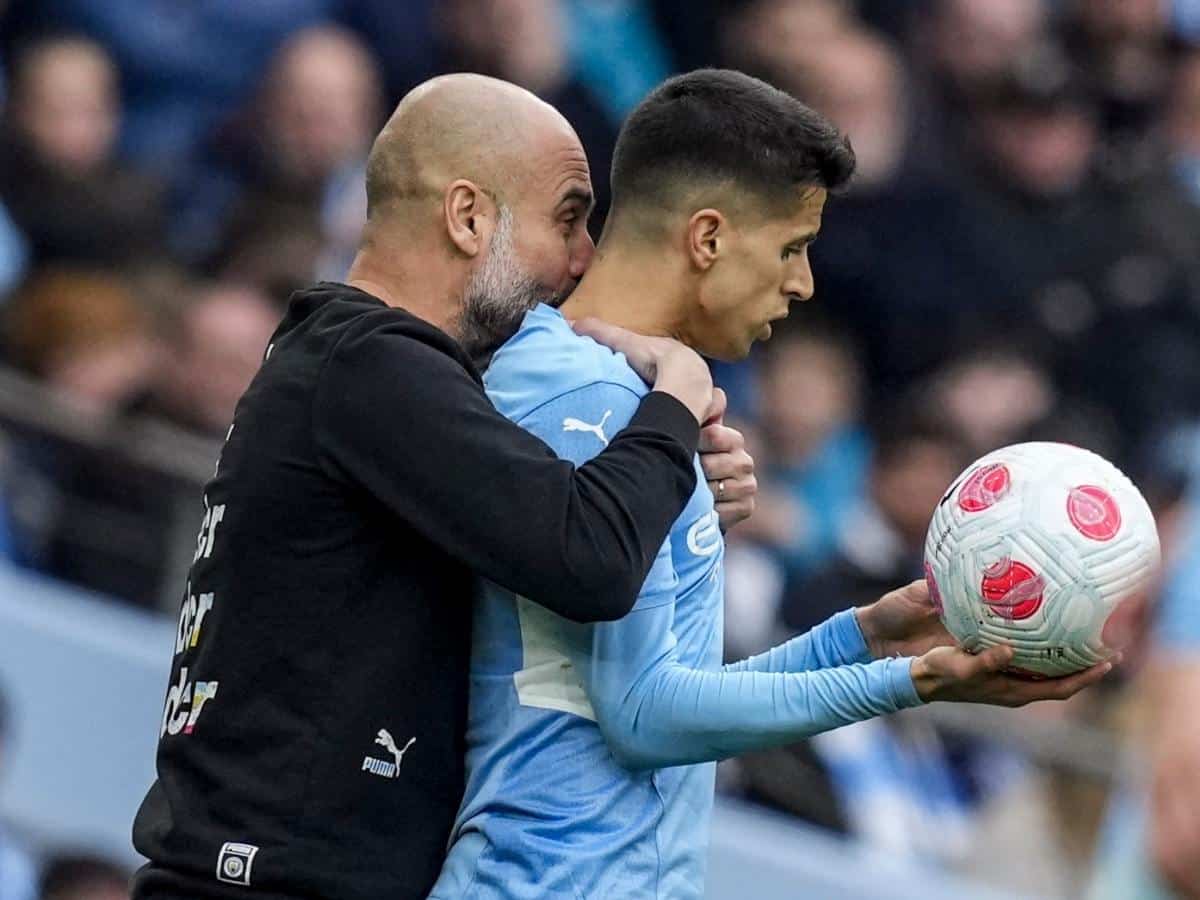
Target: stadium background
(1019, 257)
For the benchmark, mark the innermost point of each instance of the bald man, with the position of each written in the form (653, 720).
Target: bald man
(312, 739)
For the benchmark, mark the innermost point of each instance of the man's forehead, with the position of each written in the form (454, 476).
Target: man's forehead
(805, 211)
(558, 164)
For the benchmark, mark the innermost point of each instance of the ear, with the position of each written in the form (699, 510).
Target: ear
(707, 233)
(469, 215)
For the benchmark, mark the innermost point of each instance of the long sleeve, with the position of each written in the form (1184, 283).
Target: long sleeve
(837, 641)
(404, 422)
(655, 712)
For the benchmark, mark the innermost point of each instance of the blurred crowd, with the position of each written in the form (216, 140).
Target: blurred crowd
(1018, 258)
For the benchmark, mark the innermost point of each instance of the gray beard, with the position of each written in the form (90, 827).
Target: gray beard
(497, 297)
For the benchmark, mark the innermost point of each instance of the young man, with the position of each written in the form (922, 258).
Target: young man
(589, 770)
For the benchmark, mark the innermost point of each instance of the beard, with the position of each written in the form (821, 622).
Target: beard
(497, 296)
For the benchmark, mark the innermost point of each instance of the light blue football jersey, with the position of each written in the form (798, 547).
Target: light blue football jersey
(589, 768)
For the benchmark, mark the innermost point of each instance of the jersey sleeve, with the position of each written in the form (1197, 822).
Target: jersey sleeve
(408, 427)
(579, 423)
(837, 641)
(656, 712)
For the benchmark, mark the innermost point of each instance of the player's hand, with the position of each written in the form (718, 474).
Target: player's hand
(664, 364)
(728, 468)
(903, 623)
(1174, 819)
(950, 673)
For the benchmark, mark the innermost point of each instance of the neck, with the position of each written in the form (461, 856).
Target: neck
(413, 281)
(638, 291)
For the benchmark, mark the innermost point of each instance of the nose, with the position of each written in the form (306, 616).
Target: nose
(799, 285)
(581, 256)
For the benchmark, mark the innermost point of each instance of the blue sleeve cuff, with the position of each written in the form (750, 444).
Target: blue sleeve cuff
(848, 640)
(900, 683)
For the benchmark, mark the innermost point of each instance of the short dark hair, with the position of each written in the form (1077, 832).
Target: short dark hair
(717, 125)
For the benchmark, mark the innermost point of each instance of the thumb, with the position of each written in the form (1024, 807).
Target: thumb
(994, 659)
(716, 411)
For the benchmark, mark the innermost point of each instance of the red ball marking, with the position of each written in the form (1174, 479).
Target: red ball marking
(984, 488)
(935, 594)
(1012, 590)
(1094, 512)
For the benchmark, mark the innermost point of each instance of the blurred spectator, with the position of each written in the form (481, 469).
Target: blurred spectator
(214, 351)
(859, 81)
(277, 249)
(1125, 46)
(84, 878)
(767, 37)
(972, 41)
(184, 66)
(301, 149)
(1151, 848)
(915, 456)
(524, 41)
(960, 45)
(85, 333)
(1091, 277)
(816, 458)
(59, 178)
(1182, 135)
(992, 397)
(909, 294)
(1174, 685)
(17, 878)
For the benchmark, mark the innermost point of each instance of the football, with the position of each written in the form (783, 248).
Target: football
(1035, 545)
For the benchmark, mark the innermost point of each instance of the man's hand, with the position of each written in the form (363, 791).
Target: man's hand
(903, 623)
(1175, 784)
(727, 466)
(950, 673)
(664, 364)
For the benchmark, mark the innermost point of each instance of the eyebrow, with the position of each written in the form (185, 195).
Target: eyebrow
(578, 195)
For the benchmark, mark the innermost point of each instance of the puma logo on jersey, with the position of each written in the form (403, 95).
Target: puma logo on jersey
(381, 767)
(571, 424)
(704, 537)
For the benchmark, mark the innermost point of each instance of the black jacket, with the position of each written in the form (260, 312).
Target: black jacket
(365, 485)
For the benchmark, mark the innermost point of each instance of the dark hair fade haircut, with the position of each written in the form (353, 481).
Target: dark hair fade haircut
(723, 125)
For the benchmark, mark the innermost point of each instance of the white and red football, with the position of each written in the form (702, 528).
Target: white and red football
(1035, 545)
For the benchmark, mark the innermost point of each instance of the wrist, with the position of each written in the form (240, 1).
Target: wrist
(924, 681)
(865, 615)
